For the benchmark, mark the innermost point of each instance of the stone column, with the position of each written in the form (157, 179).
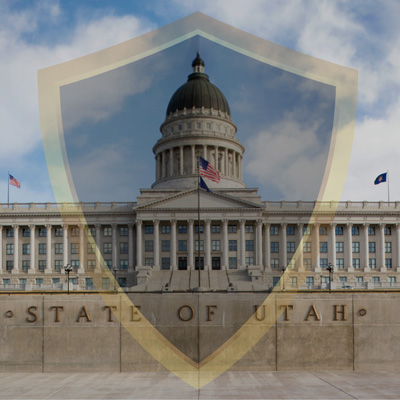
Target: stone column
(332, 252)
(32, 268)
(349, 258)
(99, 267)
(234, 163)
(181, 156)
(240, 167)
(2, 264)
(173, 244)
(365, 248)
(66, 250)
(171, 162)
(242, 245)
(114, 255)
(49, 253)
(205, 151)
(284, 246)
(381, 248)
(317, 264)
(259, 260)
(163, 165)
(267, 260)
(16, 250)
(225, 245)
(226, 162)
(192, 148)
(300, 266)
(397, 261)
(207, 244)
(156, 244)
(139, 258)
(190, 245)
(130, 249)
(82, 249)
(216, 159)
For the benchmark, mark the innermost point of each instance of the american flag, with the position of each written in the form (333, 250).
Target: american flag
(14, 182)
(208, 171)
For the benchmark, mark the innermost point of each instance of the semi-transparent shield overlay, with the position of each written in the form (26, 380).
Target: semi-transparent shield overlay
(100, 117)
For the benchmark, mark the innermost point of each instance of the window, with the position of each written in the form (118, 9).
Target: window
(323, 262)
(249, 228)
(291, 247)
(355, 230)
(208, 125)
(39, 281)
(323, 247)
(180, 127)
(75, 265)
(149, 261)
(10, 232)
(339, 247)
(88, 283)
(355, 246)
(388, 262)
(215, 228)
(107, 264)
(182, 245)
(392, 279)
(42, 265)
(388, 230)
(10, 249)
(182, 263)
(372, 263)
(148, 229)
(26, 248)
(356, 263)
(293, 281)
(91, 265)
(323, 230)
(307, 247)
(123, 248)
(74, 248)
(275, 280)
(74, 231)
(55, 280)
(42, 248)
(26, 232)
(58, 232)
(343, 279)
(165, 263)
(196, 228)
(123, 265)
(107, 248)
(274, 247)
(107, 231)
(196, 245)
(249, 261)
(340, 263)
(309, 281)
(216, 263)
(189, 125)
(25, 265)
(182, 229)
(388, 247)
(306, 230)
(198, 125)
(371, 247)
(165, 245)
(58, 248)
(58, 265)
(339, 230)
(275, 262)
(249, 245)
(42, 232)
(375, 279)
(90, 248)
(232, 228)
(6, 281)
(232, 263)
(9, 265)
(215, 245)
(122, 281)
(92, 231)
(371, 230)
(274, 230)
(148, 245)
(307, 263)
(233, 245)
(123, 231)
(325, 279)
(290, 230)
(105, 283)
(165, 229)
(359, 279)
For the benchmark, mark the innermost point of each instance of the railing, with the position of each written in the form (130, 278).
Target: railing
(65, 206)
(334, 205)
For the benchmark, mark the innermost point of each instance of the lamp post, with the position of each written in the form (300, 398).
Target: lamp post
(330, 269)
(283, 278)
(115, 269)
(67, 269)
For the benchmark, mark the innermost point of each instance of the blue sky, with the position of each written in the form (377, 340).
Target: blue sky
(360, 34)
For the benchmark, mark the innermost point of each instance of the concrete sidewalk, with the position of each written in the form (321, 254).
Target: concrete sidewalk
(231, 385)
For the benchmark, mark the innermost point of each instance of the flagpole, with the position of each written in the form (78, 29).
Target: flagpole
(198, 215)
(388, 185)
(8, 190)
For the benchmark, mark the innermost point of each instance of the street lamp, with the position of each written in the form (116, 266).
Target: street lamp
(115, 269)
(283, 278)
(67, 269)
(330, 269)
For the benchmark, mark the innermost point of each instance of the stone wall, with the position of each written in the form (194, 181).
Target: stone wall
(300, 331)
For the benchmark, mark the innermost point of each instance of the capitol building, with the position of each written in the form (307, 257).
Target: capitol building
(241, 243)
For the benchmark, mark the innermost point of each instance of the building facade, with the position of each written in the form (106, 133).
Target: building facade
(159, 237)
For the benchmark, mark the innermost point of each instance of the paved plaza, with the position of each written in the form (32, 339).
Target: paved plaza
(231, 385)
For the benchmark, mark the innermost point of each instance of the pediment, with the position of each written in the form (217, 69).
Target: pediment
(208, 200)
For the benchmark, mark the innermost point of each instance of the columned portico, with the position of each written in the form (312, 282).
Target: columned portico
(225, 245)
(190, 245)
(207, 244)
(267, 258)
(15, 269)
(173, 244)
(349, 237)
(332, 250)
(32, 262)
(49, 262)
(156, 244)
(316, 245)
(284, 245)
(242, 245)
(139, 257)
(365, 248)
